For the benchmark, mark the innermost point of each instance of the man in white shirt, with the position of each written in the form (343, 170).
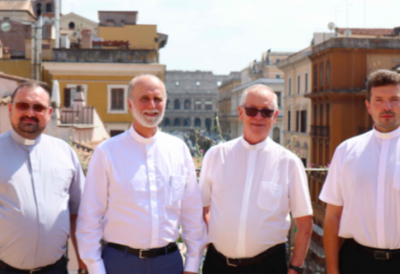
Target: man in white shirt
(140, 186)
(362, 189)
(249, 186)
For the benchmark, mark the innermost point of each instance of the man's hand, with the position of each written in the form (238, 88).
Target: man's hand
(73, 218)
(291, 271)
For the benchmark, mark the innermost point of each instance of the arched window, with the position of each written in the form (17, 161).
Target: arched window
(167, 107)
(187, 104)
(276, 135)
(167, 122)
(49, 7)
(177, 104)
(71, 25)
(197, 122)
(186, 122)
(177, 122)
(197, 105)
(38, 6)
(208, 124)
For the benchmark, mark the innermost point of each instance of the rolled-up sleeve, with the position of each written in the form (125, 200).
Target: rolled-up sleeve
(299, 194)
(194, 233)
(91, 212)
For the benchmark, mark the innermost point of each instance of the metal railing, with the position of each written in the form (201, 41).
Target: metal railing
(77, 116)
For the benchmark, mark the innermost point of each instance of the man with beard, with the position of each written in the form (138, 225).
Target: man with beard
(140, 186)
(41, 182)
(362, 189)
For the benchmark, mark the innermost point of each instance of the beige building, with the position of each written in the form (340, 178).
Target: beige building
(297, 70)
(264, 72)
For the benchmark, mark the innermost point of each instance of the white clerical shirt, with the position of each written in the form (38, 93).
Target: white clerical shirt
(251, 189)
(138, 190)
(41, 183)
(364, 178)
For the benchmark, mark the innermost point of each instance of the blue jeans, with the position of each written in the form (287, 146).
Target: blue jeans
(60, 268)
(119, 262)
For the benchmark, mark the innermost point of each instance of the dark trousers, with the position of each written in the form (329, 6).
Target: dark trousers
(60, 268)
(119, 262)
(352, 260)
(274, 263)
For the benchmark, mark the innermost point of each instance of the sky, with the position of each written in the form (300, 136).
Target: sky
(226, 35)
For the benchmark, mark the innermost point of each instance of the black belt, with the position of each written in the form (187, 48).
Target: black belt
(248, 261)
(37, 270)
(146, 253)
(377, 254)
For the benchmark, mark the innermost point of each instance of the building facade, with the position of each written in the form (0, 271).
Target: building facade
(297, 125)
(192, 100)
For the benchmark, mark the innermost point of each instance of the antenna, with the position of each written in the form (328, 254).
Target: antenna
(347, 10)
(337, 10)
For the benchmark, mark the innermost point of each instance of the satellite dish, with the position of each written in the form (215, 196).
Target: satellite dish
(331, 26)
(347, 33)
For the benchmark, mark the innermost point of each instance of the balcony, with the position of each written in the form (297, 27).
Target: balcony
(321, 131)
(77, 116)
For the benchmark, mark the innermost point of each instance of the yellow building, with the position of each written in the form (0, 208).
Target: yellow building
(105, 87)
(297, 70)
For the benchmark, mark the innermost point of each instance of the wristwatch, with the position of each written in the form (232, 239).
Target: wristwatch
(82, 271)
(298, 269)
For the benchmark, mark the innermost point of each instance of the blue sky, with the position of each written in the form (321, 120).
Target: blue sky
(225, 35)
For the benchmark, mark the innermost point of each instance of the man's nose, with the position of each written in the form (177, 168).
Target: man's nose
(152, 104)
(387, 104)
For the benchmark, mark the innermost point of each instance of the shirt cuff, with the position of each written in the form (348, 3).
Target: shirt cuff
(96, 267)
(192, 264)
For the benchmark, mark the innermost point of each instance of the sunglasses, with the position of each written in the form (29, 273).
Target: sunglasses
(25, 106)
(265, 112)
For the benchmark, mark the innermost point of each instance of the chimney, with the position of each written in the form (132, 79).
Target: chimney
(86, 39)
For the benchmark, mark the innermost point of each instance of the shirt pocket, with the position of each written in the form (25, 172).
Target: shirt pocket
(269, 195)
(61, 180)
(176, 187)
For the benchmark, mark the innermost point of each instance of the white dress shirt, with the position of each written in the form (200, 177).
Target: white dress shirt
(364, 178)
(137, 192)
(41, 183)
(251, 189)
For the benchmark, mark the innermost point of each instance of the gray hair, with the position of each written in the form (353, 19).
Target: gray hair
(258, 87)
(133, 82)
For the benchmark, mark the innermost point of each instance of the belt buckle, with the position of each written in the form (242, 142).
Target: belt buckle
(140, 253)
(381, 255)
(227, 261)
(35, 270)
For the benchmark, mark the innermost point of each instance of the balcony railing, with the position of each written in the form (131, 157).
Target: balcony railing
(77, 116)
(322, 131)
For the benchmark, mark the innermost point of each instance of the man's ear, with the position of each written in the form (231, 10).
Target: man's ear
(240, 109)
(368, 105)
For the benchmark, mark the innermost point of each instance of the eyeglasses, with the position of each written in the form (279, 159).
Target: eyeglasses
(25, 106)
(265, 112)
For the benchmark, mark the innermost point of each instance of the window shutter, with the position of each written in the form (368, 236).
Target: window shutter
(67, 97)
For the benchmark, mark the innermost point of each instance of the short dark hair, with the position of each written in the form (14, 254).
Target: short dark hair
(382, 77)
(29, 85)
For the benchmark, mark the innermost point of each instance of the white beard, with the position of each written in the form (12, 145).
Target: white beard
(146, 121)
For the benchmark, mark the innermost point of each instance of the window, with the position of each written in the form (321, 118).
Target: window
(177, 122)
(315, 76)
(288, 120)
(177, 104)
(321, 76)
(49, 7)
(197, 105)
(197, 122)
(208, 124)
(305, 83)
(297, 120)
(71, 25)
(187, 104)
(168, 101)
(167, 122)
(277, 61)
(277, 76)
(117, 95)
(315, 115)
(328, 73)
(276, 135)
(69, 94)
(278, 97)
(290, 86)
(303, 121)
(208, 105)
(298, 84)
(186, 122)
(38, 6)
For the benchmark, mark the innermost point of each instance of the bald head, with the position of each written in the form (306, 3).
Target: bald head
(259, 89)
(146, 80)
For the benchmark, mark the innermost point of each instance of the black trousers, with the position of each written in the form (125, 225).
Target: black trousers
(274, 263)
(60, 268)
(354, 261)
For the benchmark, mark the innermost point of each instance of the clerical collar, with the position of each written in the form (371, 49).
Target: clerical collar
(254, 147)
(140, 138)
(387, 135)
(21, 140)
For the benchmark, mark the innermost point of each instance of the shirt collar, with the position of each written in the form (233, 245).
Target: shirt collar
(253, 147)
(21, 140)
(387, 135)
(140, 138)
